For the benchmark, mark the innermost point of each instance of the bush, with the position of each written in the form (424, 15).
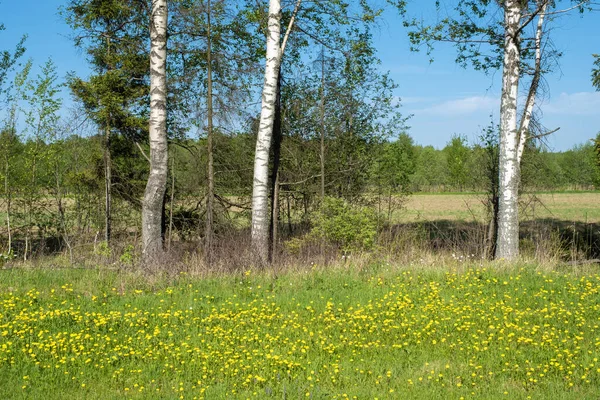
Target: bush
(348, 226)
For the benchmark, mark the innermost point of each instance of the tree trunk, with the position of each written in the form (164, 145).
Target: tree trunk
(507, 246)
(260, 200)
(322, 112)
(62, 213)
(289, 215)
(152, 239)
(210, 196)
(275, 220)
(107, 171)
(163, 214)
(107, 189)
(8, 204)
(171, 202)
(277, 139)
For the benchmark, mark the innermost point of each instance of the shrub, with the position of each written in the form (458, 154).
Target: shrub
(348, 226)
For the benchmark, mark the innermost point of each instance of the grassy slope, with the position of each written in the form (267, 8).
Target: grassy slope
(382, 333)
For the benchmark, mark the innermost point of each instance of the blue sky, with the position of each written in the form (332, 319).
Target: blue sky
(444, 98)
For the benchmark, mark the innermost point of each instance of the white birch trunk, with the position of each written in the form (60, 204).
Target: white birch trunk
(535, 81)
(260, 200)
(507, 245)
(152, 239)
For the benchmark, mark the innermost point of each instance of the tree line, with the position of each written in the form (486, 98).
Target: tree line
(167, 129)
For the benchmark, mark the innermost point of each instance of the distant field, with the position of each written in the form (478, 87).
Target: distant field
(580, 207)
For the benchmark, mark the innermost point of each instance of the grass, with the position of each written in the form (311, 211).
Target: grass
(380, 332)
(574, 206)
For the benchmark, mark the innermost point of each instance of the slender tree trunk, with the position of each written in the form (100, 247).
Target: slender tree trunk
(507, 246)
(107, 186)
(210, 196)
(8, 204)
(492, 201)
(277, 139)
(535, 82)
(322, 112)
(289, 214)
(107, 170)
(172, 200)
(29, 202)
(275, 219)
(163, 215)
(260, 200)
(152, 238)
(62, 213)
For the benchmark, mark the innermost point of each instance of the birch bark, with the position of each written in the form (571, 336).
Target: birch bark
(535, 82)
(260, 200)
(513, 137)
(152, 239)
(507, 246)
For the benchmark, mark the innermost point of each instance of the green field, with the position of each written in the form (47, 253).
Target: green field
(374, 333)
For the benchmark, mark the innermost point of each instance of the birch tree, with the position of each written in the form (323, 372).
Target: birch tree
(313, 23)
(517, 43)
(152, 206)
(260, 189)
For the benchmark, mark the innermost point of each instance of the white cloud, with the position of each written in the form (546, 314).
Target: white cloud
(461, 107)
(581, 103)
(412, 69)
(416, 99)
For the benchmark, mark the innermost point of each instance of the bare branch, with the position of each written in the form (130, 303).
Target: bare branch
(541, 135)
(143, 153)
(290, 26)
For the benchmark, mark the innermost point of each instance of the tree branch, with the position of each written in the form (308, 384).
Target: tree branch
(528, 111)
(143, 153)
(290, 26)
(541, 135)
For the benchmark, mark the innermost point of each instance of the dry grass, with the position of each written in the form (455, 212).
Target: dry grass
(575, 207)
(435, 229)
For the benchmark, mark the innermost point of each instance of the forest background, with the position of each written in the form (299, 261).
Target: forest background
(347, 161)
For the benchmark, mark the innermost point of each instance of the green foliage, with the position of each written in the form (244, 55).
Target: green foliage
(129, 256)
(457, 159)
(476, 30)
(114, 35)
(8, 62)
(103, 249)
(360, 115)
(484, 162)
(597, 149)
(295, 244)
(580, 165)
(596, 72)
(396, 165)
(237, 48)
(430, 169)
(349, 226)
